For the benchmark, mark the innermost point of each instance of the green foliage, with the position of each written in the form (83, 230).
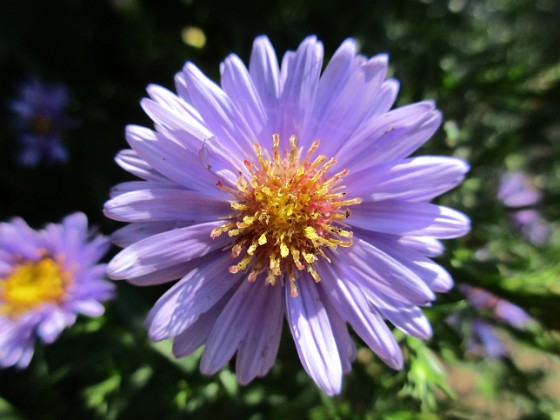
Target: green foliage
(425, 376)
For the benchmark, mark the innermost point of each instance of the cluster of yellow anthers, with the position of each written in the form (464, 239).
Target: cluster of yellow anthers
(286, 213)
(31, 284)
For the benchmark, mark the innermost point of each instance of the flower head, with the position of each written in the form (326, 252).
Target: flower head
(40, 122)
(47, 277)
(516, 191)
(285, 191)
(484, 338)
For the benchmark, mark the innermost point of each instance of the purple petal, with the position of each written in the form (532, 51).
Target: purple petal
(335, 78)
(193, 295)
(416, 179)
(385, 99)
(340, 109)
(174, 272)
(165, 250)
(352, 306)
(173, 112)
(172, 160)
(166, 204)
(89, 307)
(409, 219)
(432, 274)
(16, 344)
(344, 342)
(130, 186)
(196, 335)
(226, 167)
(135, 232)
(409, 319)
(512, 314)
(516, 190)
(17, 238)
(131, 162)
(477, 297)
(299, 77)
(241, 314)
(257, 352)
(312, 332)
(51, 327)
(532, 226)
(219, 113)
(486, 335)
(390, 136)
(379, 270)
(238, 85)
(430, 247)
(264, 70)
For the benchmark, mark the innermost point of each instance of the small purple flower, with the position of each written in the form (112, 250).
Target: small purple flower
(517, 190)
(500, 308)
(40, 121)
(286, 191)
(484, 338)
(47, 277)
(531, 224)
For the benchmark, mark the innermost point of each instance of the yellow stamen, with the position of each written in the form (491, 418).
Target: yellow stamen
(286, 214)
(31, 284)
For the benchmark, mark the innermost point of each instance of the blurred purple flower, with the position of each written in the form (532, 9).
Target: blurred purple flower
(40, 120)
(532, 225)
(516, 190)
(484, 339)
(285, 191)
(47, 277)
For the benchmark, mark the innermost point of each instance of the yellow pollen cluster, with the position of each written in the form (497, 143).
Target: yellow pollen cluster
(286, 214)
(31, 284)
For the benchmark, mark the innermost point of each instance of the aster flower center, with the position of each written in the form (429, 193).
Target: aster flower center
(31, 284)
(286, 214)
(42, 125)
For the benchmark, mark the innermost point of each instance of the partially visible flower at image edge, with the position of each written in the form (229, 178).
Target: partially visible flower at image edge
(285, 191)
(40, 120)
(47, 278)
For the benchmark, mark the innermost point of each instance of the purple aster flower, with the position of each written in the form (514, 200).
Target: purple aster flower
(47, 277)
(40, 122)
(531, 224)
(484, 339)
(285, 191)
(517, 190)
(500, 308)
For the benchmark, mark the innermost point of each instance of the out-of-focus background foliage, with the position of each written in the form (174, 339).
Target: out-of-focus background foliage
(493, 66)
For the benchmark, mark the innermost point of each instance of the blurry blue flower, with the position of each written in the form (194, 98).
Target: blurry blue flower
(516, 190)
(285, 191)
(47, 277)
(532, 225)
(40, 120)
(484, 338)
